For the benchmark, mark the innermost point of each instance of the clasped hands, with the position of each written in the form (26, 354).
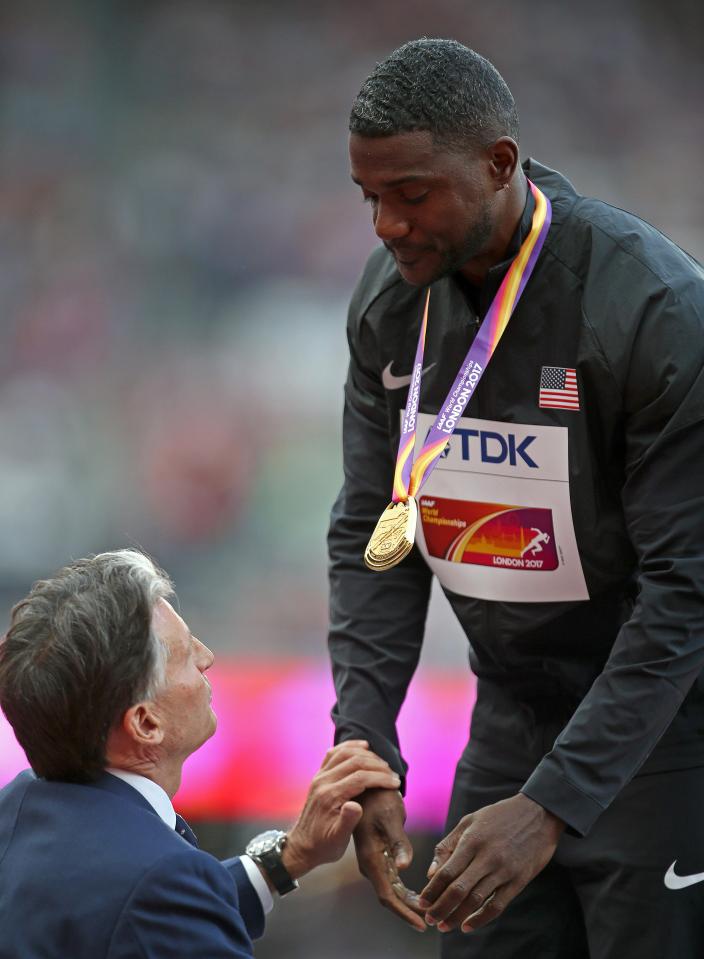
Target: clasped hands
(477, 869)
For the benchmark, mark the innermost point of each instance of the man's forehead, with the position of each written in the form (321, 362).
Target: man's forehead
(416, 146)
(166, 620)
(398, 158)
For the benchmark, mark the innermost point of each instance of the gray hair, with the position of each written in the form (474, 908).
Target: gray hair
(156, 585)
(80, 651)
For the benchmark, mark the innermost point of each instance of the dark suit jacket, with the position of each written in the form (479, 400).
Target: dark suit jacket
(92, 872)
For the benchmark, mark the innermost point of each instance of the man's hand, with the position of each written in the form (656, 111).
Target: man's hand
(323, 829)
(383, 849)
(486, 860)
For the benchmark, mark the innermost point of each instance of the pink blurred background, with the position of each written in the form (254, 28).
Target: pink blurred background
(274, 729)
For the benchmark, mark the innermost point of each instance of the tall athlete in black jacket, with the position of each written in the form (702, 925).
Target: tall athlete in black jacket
(565, 523)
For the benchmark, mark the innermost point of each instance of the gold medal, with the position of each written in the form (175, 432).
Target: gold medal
(393, 536)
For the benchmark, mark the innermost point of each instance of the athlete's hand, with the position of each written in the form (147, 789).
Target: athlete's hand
(332, 810)
(383, 849)
(486, 860)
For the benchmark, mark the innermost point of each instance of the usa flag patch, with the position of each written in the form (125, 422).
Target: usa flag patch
(558, 388)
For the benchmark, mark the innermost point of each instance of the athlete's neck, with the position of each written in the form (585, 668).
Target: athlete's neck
(510, 204)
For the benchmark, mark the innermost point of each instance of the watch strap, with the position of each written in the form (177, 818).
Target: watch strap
(270, 861)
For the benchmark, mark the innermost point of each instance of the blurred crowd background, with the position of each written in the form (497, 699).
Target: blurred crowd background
(179, 238)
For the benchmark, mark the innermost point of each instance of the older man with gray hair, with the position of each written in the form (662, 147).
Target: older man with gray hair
(105, 687)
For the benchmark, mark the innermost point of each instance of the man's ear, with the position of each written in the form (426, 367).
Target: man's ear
(503, 160)
(142, 726)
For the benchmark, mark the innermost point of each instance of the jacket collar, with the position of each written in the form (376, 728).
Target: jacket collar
(119, 787)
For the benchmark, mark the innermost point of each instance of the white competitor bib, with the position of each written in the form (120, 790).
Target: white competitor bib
(494, 518)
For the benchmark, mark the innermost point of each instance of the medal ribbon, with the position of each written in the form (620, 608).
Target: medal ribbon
(410, 475)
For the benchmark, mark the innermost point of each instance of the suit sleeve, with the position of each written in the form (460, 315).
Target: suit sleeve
(659, 651)
(187, 905)
(376, 619)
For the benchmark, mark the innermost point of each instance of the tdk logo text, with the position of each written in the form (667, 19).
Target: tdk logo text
(495, 448)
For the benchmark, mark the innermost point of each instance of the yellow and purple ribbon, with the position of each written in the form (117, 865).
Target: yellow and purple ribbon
(410, 475)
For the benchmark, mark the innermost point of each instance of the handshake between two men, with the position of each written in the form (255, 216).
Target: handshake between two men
(486, 859)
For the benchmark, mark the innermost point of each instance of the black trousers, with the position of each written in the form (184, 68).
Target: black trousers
(602, 896)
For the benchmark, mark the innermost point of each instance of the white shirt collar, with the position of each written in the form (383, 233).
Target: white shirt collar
(157, 798)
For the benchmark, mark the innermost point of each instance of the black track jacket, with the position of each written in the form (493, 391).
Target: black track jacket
(574, 697)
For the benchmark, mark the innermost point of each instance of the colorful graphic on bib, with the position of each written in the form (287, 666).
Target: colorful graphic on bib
(489, 534)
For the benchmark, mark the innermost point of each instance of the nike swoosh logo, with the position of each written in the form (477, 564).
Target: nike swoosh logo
(392, 382)
(673, 881)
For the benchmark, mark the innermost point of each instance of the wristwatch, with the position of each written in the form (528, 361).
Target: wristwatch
(265, 849)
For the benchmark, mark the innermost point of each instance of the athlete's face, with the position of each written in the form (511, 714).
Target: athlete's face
(433, 208)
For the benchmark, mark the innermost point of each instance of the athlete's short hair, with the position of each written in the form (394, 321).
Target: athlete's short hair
(440, 86)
